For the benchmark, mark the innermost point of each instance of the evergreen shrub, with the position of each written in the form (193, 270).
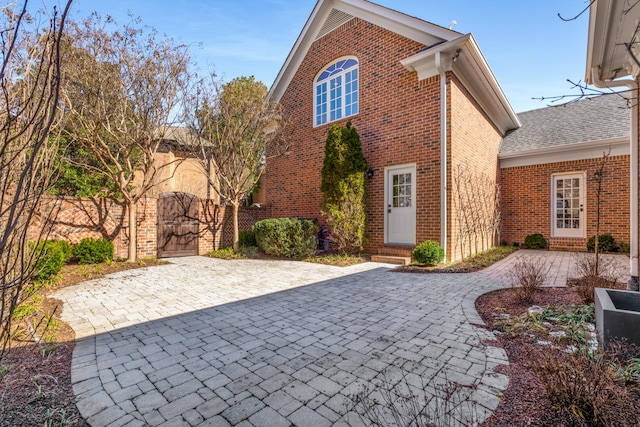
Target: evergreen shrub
(289, 237)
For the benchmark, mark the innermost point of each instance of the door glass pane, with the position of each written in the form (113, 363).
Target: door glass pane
(401, 190)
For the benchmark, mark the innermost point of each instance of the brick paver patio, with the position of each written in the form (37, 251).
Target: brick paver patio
(256, 343)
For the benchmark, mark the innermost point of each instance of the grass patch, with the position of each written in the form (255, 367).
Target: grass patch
(226, 253)
(27, 308)
(558, 322)
(143, 262)
(473, 263)
(482, 259)
(4, 369)
(339, 260)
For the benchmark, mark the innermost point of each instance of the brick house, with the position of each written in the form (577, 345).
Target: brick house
(548, 173)
(427, 105)
(424, 101)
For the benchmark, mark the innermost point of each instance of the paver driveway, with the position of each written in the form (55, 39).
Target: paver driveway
(270, 343)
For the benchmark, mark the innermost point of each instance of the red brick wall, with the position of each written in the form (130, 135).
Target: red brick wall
(398, 122)
(526, 201)
(78, 218)
(246, 218)
(473, 146)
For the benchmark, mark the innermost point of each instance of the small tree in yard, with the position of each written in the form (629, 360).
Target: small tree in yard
(121, 95)
(29, 91)
(231, 127)
(343, 187)
(598, 176)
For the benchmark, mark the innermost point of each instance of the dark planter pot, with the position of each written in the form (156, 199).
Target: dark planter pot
(617, 316)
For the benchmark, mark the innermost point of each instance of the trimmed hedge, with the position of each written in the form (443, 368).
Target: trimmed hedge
(247, 239)
(51, 256)
(535, 241)
(606, 243)
(93, 251)
(428, 252)
(289, 237)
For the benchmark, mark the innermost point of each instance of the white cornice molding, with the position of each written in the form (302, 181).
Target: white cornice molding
(565, 153)
(471, 67)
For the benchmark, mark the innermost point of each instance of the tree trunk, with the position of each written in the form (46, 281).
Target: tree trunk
(236, 231)
(133, 231)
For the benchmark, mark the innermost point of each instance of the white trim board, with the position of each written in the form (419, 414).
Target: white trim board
(565, 153)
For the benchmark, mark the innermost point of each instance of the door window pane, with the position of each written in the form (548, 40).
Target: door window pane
(402, 190)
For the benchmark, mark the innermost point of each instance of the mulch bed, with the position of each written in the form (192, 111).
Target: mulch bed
(525, 402)
(435, 270)
(37, 386)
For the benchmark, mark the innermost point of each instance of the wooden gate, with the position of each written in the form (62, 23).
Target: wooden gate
(177, 225)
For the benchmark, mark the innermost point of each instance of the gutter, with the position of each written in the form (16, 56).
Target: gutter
(633, 255)
(443, 152)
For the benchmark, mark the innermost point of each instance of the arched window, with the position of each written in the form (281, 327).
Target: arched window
(336, 91)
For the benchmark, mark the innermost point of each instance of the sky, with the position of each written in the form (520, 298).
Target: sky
(531, 51)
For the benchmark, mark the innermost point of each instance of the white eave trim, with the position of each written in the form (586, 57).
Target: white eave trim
(594, 47)
(612, 24)
(413, 28)
(565, 153)
(473, 71)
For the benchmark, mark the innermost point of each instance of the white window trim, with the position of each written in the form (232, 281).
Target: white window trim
(343, 96)
(583, 197)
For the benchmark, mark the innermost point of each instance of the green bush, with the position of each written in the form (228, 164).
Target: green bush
(428, 252)
(289, 237)
(344, 195)
(51, 256)
(625, 247)
(93, 251)
(535, 241)
(66, 248)
(606, 243)
(248, 238)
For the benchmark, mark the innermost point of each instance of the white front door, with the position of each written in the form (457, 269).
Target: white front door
(400, 201)
(569, 207)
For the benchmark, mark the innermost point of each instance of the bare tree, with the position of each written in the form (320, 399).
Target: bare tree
(122, 94)
(29, 90)
(232, 125)
(598, 176)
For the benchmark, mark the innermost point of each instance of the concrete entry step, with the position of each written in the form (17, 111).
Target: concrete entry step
(391, 259)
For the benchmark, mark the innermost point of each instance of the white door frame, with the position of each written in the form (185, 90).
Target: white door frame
(569, 207)
(409, 219)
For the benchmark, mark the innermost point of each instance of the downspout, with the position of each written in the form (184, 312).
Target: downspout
(633, 255)
(443, 153)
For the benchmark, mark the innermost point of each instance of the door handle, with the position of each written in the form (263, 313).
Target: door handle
(389, 209)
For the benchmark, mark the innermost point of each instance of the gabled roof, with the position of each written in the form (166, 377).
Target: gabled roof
(602, 118)
(463, 56)
(612, 34)
(471, 65)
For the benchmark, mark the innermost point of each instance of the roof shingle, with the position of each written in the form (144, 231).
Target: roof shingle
(590, 119)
